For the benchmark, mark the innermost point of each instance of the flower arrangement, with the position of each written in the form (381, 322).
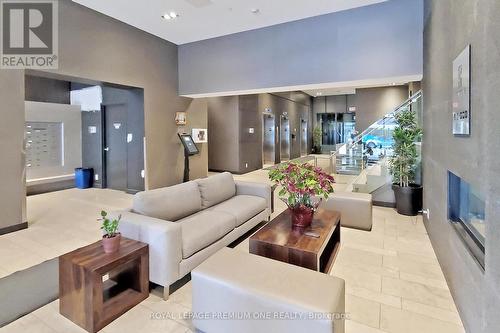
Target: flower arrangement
(303, 186)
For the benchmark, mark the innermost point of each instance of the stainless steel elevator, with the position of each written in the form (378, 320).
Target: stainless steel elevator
(284, 138)
(268, 139)
(303, 137)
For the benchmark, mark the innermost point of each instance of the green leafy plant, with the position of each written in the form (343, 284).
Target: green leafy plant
(110, 226)
(403, 163)
(317, 133)
(301, 184)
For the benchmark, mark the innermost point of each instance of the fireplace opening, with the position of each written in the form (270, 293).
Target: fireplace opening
(466, 212)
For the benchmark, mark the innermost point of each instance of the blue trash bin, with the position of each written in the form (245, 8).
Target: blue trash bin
(83, 177)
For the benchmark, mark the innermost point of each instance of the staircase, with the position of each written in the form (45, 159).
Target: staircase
(366, 157)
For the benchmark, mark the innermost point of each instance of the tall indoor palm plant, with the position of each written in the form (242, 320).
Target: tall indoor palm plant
(403, 163)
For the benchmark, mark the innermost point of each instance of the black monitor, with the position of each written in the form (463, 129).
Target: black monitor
(188, 143)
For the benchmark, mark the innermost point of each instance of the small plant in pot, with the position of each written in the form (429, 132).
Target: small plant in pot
(303, 186)
(111, 238)
(403, 164)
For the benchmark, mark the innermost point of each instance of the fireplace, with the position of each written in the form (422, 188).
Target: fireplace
(466, 212)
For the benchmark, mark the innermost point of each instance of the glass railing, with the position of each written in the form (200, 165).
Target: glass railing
(366, 156)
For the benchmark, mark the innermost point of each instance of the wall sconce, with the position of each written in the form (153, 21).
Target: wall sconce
(180, 118)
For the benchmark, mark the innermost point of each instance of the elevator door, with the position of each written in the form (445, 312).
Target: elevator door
(284, 139)
(303, 137)
(116, 146)
(269, 139)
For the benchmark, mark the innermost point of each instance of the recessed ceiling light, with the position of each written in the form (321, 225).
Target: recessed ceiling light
(255, 10)
(169, 16)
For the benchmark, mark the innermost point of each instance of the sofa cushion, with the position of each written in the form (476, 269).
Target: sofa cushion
(204, 228)
(216, 189)
(242, 207)
(169, 203)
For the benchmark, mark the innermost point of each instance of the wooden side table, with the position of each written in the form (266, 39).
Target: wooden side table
(95, 288)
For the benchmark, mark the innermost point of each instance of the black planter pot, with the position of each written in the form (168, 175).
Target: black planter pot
(408, 199)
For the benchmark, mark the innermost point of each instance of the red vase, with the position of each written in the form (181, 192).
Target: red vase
(302, 216)
(111, 245)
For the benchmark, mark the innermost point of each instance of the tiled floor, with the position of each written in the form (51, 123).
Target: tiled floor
(58, 223)
(393, 281)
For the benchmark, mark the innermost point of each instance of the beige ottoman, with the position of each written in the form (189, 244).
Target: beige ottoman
(234, 291)
(355, 209)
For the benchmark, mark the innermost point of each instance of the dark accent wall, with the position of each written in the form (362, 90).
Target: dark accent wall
(371, 103)
(450, 26)
(96, 47)
(234, 148)
(42, 89)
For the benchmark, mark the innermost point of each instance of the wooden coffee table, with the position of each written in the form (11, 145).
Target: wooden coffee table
(95, 288)
(279, 240)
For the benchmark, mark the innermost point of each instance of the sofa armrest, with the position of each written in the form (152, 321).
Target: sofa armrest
(255, 189)
(165, 243)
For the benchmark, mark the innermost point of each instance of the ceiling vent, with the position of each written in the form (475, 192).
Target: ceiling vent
(199, 3)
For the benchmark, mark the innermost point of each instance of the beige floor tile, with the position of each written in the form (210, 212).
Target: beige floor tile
(352, 326)
(394, 301)
(378, 270)
(356, 278)
(418, 292)
(368, 248)
(359, 257)
(395, 320)
(27, 324)
(431, 311)
(51, 317)
(142, 319)
(419, 248)
(363, 311)
(438, 283)
(431, 271)
(359, 237)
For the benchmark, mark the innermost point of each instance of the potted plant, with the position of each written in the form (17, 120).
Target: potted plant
(111, 238)
(317, 133)
(302, 188)
(403, 164)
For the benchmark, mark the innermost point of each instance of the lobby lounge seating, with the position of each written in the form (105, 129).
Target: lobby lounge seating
(355, 209)
(186, 223)
(234, 291)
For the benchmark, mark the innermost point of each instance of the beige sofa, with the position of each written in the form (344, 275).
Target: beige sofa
(355, 209)
(186, 223)
(234, 291)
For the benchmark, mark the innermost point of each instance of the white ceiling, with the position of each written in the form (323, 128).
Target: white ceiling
(203, 19)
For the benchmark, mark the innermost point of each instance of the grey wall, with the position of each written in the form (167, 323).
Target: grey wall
(197, 117)
(372, 42)
(371, 104)
(223, 135)
(12, 177)
(96, 47)
(231, 145)
(451, 25)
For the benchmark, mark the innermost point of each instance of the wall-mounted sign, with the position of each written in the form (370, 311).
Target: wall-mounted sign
(180, 118)
(352, 108)
(199, 135)
(461, 93)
